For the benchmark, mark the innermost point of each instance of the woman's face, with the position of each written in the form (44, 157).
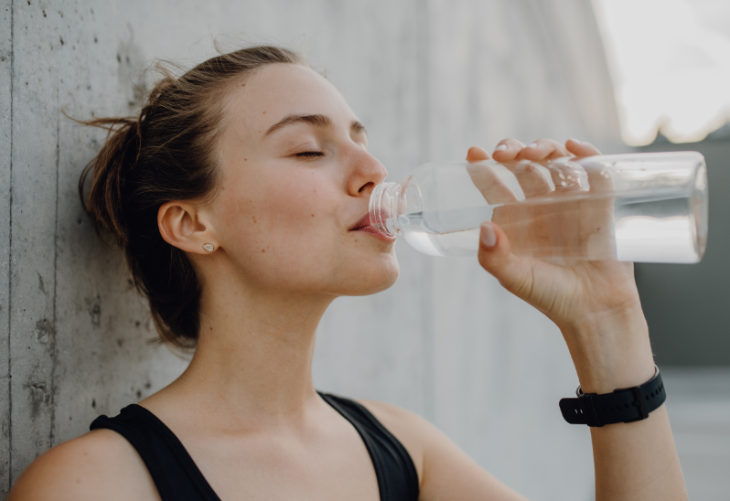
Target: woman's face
(295, 185)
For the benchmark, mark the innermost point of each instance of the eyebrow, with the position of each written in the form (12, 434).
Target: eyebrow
(321, 121)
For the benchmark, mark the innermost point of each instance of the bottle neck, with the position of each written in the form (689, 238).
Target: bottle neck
(383, 208)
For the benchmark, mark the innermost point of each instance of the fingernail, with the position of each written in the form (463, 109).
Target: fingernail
(501, 147)
(488, 236)
(575, 141)
(533, 145)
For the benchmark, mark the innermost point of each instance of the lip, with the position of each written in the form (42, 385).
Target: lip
(365, 226)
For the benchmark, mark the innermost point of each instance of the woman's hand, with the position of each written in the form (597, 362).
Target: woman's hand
(594, 303)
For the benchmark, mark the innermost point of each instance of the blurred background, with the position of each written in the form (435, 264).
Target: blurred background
(670, 67)
(428, 78)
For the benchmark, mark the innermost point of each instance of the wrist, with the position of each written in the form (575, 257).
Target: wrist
(624, 405)
(611, 351)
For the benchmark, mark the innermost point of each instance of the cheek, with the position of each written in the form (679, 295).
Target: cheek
(285, 226)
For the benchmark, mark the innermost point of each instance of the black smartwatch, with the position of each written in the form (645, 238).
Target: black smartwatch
(622, 406)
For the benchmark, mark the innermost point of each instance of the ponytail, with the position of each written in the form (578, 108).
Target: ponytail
(107, 170)
(163, 155)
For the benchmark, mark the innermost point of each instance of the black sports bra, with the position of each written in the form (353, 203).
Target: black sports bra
(178, 478)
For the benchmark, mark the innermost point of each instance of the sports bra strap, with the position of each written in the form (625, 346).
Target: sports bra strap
(174, 472)
(397, 476)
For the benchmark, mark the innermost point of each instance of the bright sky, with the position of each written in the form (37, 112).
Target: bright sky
(670, 64)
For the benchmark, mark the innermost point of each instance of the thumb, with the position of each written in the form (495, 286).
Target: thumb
(514, 273)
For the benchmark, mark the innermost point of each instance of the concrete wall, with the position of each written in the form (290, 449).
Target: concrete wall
(429, 78)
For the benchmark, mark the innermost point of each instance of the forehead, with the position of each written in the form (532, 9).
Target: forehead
(278, 90)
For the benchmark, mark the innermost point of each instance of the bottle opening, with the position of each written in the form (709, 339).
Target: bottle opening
(381, 207)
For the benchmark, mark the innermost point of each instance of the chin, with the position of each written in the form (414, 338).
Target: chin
(386, 278)
(377, 276)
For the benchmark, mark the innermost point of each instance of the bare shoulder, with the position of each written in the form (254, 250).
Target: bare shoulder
(444, 470)
(98, 465)
(413, 431)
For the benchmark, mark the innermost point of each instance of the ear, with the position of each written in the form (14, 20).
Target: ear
(183, 225)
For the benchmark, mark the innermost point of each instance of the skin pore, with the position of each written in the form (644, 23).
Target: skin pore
(294, 180)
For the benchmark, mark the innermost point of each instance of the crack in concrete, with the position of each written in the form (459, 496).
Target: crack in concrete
(10, 247)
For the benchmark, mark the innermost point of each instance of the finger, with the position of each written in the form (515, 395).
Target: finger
(513, 272)
(581, 148)
(507, 150)
(490, 184)
(599, 177)
(544, 149)
(531, 178)
(476, 154)
(566, 175)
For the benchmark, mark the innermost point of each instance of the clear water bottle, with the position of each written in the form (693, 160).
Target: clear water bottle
(647, 207)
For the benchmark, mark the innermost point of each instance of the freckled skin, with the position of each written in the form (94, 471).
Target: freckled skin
(321, 254)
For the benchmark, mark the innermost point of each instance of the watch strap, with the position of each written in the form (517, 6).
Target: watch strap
(622, 406)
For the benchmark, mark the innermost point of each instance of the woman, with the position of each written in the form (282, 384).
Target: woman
(240, 198)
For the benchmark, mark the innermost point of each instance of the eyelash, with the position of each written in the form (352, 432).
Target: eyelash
(309, 154)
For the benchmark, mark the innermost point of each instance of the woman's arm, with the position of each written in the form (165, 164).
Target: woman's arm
(632, 460)
(596, 306)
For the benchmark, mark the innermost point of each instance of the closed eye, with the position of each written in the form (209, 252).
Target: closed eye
(309, 154)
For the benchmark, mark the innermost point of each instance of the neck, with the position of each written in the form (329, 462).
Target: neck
(254, 354)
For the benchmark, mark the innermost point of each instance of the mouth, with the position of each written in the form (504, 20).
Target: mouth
(364, 225)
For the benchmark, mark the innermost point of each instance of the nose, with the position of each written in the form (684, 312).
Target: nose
(367, 172)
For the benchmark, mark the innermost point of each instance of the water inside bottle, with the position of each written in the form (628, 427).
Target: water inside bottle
(630, 228)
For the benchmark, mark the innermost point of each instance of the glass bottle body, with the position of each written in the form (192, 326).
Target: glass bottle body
(647, 207)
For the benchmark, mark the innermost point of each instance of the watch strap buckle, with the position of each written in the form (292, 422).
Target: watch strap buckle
(639, 402)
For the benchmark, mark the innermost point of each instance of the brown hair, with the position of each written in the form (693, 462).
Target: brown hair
(162, 155)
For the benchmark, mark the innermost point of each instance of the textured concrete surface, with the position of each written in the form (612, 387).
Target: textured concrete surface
(428, 78)
(6, 135)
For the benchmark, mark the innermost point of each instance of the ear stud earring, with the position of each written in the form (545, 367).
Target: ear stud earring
(208, 247)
